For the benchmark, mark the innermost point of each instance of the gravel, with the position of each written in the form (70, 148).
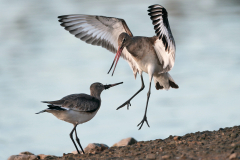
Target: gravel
(221, 144)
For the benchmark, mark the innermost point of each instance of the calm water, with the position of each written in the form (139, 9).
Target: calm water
(39, 60)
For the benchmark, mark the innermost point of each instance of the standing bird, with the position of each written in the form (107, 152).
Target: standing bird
(78, 108)
(152, 55)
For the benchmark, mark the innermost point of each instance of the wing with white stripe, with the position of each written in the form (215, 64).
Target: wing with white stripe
(77, 102)
(98, 30)
(165, 44)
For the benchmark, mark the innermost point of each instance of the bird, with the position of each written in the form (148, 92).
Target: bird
(152, 55)
(78, 108)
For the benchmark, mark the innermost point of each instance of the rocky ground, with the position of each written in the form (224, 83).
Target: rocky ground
(221, 144)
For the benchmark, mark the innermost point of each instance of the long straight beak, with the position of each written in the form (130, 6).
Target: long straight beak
(116, 59)
(111, 85)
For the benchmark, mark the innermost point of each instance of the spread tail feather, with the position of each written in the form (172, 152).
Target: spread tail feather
(164, 81)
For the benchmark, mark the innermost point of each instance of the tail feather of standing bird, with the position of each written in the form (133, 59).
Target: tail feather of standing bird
(52, 107)
(164, 81)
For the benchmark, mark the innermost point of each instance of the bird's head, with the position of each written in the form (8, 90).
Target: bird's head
(123, 41)
(97, 88)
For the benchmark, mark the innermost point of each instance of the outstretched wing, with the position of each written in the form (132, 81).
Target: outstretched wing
(165, 44)
(98, 30)
(77, 102)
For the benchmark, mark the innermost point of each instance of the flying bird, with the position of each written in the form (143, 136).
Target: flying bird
(78, 108)
(152, 55)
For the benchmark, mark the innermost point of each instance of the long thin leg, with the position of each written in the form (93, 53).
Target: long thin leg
(145, 114)
(128, 101)
(77, 139)
(72, 138)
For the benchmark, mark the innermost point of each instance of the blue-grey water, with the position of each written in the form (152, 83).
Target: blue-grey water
(39, 60)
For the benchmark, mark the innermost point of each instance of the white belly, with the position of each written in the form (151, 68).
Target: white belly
(149, 64)
(74, 117)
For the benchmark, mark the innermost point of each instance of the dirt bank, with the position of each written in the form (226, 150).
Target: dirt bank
(221, 144)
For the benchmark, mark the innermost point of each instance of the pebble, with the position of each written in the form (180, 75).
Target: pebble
(125, 142)
(12, 157)
(176, 138)
(183, 156)
(26, 153)
(166, 157)
(43, 156)
(95, 148)
(151, 156)
(23, 157)
(233, 156)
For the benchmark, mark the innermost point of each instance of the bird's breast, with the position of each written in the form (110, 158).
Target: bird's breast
(144, 54)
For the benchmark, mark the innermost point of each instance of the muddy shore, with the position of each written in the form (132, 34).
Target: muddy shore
(221, 144)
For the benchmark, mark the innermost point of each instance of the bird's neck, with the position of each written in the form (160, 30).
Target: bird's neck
(96, 95)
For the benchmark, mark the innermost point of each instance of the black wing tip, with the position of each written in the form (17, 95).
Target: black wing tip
(71, 16)
(61, 20)
(62, 16)
(155, 6)
(44, 101)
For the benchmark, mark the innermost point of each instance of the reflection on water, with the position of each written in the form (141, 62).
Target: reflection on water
(40, 61)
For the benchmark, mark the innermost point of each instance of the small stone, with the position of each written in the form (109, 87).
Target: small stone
(12, 157)
(233, 156)
(166, 157)
(172, 142)
(23, 157)
(33, 157)
(176, 138)
(151, 156)
(183, 156)
(233, 144)
(125, 142)
(160, 149)
(26, 153)
(93, 147)
(43, 156)
(233, 135)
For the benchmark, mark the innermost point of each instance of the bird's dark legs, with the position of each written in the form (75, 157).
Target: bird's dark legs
(128, 101)
(72, 138)
(145, 114)
(77, 139)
